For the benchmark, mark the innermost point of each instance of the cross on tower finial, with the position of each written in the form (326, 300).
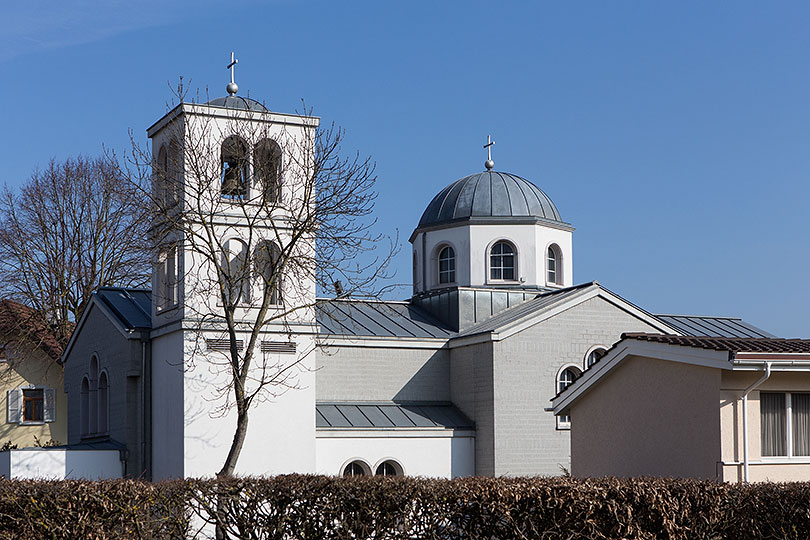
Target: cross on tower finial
(489, 164)
(232, 87)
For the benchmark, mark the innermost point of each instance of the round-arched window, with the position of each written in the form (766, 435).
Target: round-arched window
(388, 468)
(553, 265)
(355, 468)
(502, 261)
(567, 378)
(594, 356)
(234, 174)
(447, 265)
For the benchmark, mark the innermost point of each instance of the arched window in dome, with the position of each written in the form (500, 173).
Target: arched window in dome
(502, 261)
(447, 265)
(234, 174)
(267, 259)
(267, 165)
(554, 274)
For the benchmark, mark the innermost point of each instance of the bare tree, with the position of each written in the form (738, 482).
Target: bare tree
(255, 216)
(70, 229)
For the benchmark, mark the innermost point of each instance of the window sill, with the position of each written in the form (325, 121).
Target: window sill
(167, 309)
(32, 423)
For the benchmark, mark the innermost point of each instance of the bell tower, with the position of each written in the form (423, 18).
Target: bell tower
(231, 180)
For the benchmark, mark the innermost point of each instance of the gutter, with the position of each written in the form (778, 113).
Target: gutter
(747, 391)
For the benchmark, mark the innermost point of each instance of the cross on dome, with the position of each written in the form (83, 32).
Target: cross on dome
(489, 164)
(232, 87)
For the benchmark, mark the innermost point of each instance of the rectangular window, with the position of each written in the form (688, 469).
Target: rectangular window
(33, 405)
(784, 424)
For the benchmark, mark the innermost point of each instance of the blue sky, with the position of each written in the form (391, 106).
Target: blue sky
(674, 137)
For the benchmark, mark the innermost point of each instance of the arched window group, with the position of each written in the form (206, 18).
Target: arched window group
(94, 404)
(235, 168)
(358, 467)
(239, 273)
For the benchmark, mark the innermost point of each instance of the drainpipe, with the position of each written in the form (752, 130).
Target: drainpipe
(745, 416)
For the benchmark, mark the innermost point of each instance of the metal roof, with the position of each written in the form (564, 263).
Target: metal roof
(389, 415)
(489, 195)
(132, 307)
(729, 327)
(377, 319)
(530, 307)
(238, 102)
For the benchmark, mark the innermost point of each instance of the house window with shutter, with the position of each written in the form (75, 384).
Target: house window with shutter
(31, 405)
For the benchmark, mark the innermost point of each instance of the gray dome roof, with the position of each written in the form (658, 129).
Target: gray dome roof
(489, 194)
(238, 102)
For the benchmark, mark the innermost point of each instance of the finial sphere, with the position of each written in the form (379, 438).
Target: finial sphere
(232, 88)
(489, 164)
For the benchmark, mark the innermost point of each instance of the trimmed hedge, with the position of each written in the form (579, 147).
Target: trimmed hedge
(315, 507)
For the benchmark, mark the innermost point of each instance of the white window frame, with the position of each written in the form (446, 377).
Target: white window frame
(788, 430)
(559, 278)
(564, 422)
(400, 470)
(438, 260)
(590, 351)
(362, 462)
(516, 264)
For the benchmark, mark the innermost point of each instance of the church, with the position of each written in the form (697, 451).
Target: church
(455, 381)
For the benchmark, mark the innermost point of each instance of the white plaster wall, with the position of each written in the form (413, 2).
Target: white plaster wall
(281, 429)
(58, 464)
(472, 243)
(167, 406)
(419, 453)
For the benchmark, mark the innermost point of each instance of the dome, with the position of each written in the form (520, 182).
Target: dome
(238, 102)
(489, 197)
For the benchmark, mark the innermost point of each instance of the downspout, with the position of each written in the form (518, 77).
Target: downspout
(146, 409)
(745, 416)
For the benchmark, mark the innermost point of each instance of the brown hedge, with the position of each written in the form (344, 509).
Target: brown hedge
(315, 507)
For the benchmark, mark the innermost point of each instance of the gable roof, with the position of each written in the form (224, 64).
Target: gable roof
(716, 352)
(364, 318)
(760, 345)
(548, 304)
(28, 324)
(131, 307)
(696, 325)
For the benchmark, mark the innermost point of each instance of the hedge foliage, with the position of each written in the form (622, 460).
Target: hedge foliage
(316, 507)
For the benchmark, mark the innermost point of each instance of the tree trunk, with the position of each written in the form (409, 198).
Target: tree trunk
(237, 443)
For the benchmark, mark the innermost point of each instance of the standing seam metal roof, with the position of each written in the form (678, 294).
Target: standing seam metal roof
(360, 415)
(489, 194)
(729, 327)
(377, 319)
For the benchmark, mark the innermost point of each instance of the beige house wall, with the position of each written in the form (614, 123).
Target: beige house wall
(32, 367)
(760, 469)
(648, 417)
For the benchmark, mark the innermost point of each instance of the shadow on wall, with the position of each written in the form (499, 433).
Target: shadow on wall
(431, 382)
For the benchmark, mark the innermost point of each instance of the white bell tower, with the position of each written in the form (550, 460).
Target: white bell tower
(230, 180)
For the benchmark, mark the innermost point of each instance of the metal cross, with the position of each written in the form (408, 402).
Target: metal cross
(231, 65)
(488, 146)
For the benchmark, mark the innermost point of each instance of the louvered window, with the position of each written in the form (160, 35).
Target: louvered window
(283, 347)
(223, 344)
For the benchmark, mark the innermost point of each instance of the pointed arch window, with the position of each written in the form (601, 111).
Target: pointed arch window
(267, 165)
(84, 408)
(553, 265)
(447, 265)
(268, 268)
(234, 174)
(502, 261)
(103, 402)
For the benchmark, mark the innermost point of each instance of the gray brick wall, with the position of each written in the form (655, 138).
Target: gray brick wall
(382, 374)
(471, 390)
(121, 358)
(527, 441)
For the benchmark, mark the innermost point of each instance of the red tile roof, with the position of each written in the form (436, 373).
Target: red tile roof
(20, 322)
(759, 345)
